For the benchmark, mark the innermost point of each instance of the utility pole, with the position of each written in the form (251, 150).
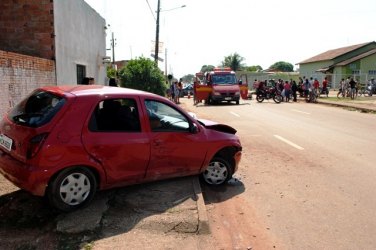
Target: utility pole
(157, 34)
(113, 48)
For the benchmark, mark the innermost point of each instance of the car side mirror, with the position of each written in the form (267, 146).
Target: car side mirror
(193, 129)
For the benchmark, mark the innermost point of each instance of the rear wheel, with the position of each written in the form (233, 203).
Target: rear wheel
(218, 172)
(72, 188)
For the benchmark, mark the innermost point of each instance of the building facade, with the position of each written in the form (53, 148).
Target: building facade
(357, 61)
(68, 32)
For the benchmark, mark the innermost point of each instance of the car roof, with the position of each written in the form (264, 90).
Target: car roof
(90, 90)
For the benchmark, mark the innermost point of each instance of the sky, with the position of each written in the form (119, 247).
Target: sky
(263, 32)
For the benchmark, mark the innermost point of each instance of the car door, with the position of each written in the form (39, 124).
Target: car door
(117, 140)
(175, 150)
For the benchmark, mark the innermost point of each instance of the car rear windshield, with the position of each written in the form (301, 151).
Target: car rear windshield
(37, 109)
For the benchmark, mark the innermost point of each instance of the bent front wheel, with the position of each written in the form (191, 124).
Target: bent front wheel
(218, 172)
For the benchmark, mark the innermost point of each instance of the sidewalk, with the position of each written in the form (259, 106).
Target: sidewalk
(363, 103)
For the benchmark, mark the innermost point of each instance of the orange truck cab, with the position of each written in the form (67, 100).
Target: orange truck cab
(219, 85)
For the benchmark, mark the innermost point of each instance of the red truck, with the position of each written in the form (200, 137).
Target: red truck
(219, 85)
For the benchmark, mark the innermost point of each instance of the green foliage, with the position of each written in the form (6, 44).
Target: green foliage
(206, 68)
(254, 68)
(188, 78)
(111, 73)
(233, 61)
(282, 66)
(143, 74)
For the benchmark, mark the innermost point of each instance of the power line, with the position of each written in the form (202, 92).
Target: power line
(151, 10)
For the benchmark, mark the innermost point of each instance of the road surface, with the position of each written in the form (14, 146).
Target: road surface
(306, 180)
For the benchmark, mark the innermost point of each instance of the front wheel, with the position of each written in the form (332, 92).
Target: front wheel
(260, 98)
(218, 172)
(72, 188)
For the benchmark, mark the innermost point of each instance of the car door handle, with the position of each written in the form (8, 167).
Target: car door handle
(157, 142)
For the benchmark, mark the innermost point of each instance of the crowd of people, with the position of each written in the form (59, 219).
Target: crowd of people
(175, 90)
(290, 89)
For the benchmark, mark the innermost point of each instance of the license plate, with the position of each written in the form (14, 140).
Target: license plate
(6, 142)
(228, 98)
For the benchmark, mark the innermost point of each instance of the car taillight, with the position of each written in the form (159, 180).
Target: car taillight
(35, 144)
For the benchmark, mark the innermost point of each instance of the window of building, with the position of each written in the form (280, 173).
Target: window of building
(372, 72)
(81, 73)
(355, 72)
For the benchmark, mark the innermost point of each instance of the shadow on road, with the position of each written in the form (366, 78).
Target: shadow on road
(217, 194)
(159, 207)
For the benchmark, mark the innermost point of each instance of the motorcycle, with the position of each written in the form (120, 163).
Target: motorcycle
(269, 93)
(312, 96)
(370, 89)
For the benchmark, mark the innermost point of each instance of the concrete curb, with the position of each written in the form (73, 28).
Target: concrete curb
(203, 221)
(344, 105)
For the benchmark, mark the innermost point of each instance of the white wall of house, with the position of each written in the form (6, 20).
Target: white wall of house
(80, 38)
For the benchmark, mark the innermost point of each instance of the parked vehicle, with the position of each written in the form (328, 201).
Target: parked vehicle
(220, 85)
(65, 142)
(269, 93)
(312, 96)
(187, 90)
(370, 89)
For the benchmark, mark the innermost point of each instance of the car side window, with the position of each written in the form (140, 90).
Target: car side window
(114, 115)
(165, 118)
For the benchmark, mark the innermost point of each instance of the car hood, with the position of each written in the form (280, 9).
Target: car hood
(217, 126)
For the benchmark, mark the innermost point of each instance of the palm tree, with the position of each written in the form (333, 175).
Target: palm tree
(233, 61)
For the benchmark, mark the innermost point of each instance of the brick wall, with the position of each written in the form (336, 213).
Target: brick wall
(27, 27)
(20, 74)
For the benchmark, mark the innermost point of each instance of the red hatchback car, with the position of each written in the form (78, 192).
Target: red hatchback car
(67, 142)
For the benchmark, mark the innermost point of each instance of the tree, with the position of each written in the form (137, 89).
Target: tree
(143, 74)
(282, 66)
(206, 68)
(188, 78)
(233, 61)
(111, 72)
(254, 68)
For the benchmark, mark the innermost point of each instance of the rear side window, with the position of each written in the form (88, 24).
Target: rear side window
(37, 109)
(116, 115)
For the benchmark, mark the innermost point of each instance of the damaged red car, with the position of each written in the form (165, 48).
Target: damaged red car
(67, 142)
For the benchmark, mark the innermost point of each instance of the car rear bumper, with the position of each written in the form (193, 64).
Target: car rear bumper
(22, 175)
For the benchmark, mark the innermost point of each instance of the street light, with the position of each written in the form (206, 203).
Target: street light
(157, 30)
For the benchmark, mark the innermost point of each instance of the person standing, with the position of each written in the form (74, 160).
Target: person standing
(325, 86)
(294, 88)
(176, 92)
(180, 89)
(352, 84)
(287, 88)
(316, 86)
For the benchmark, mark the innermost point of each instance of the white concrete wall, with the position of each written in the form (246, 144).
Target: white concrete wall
(80, 38)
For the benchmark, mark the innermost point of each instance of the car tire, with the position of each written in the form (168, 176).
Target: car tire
(72, 188)
(218, 172)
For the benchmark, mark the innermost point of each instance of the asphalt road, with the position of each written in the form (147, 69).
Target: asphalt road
(307, 175)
